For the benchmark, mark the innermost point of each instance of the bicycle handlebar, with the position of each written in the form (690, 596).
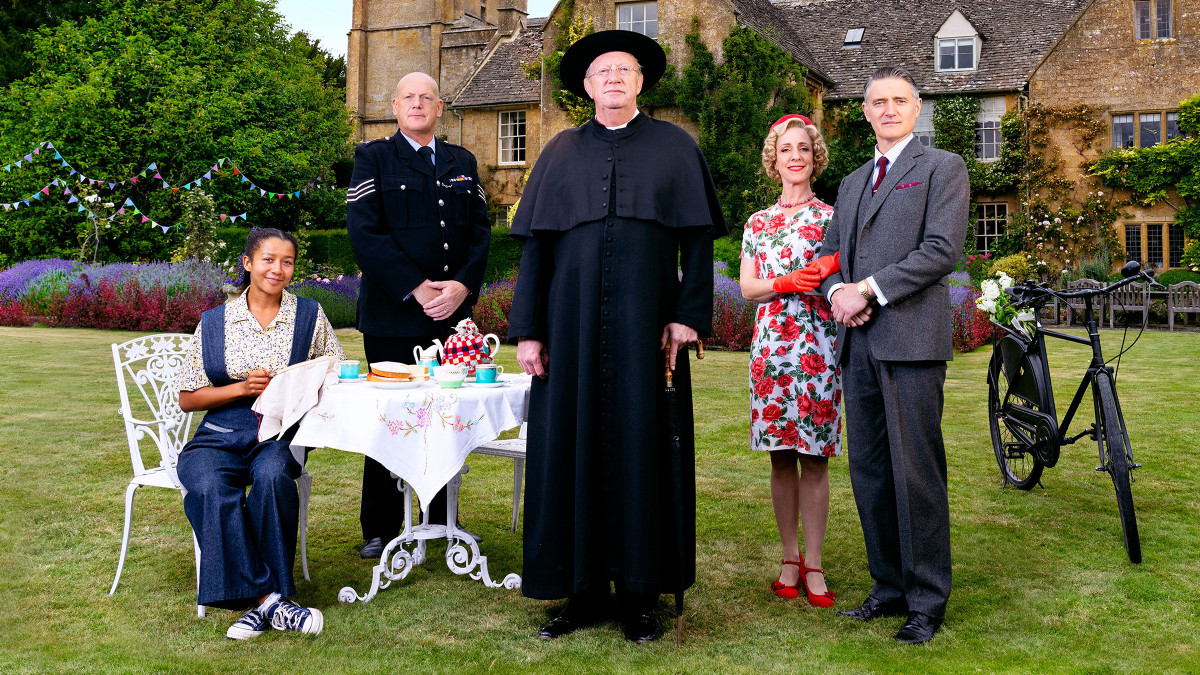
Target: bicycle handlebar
(1024, 294)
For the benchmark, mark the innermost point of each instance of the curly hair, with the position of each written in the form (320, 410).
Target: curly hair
(820, 152)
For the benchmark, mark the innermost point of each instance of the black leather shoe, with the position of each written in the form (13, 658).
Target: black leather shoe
(873, 608)
(573, 617)
(372, 549)
(919, 628)
(642, 628)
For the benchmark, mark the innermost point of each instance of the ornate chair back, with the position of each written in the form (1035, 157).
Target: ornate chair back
(149, 363)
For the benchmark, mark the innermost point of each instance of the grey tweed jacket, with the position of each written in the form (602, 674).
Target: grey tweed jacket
(909, 235)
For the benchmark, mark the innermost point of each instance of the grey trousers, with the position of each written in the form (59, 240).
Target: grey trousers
(898, 472)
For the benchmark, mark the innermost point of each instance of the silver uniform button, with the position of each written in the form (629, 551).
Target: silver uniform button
(446, 268)
(403, 187)
(443, 223)
(446, 247)
(441, 203)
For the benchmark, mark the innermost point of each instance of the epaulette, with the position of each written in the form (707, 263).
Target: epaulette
(375, 140)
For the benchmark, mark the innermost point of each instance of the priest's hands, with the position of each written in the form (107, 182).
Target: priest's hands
(440, 299)
(679, 337)
(532, 357)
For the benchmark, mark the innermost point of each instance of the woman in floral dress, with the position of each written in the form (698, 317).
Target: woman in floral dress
(795, 385)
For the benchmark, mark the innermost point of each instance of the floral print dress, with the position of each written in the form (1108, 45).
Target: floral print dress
(795, 384)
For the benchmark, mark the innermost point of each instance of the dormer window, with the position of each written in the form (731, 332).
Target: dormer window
(956, 54)
(956, 45)
(853, 39)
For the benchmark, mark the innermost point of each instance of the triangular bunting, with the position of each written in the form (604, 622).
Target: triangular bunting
(223, 217)
(45, 191)
(72, 200)
(145, 219)
(208, 175)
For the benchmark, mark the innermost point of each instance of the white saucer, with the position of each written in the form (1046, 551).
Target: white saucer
(486, 384)
(351, 380)
(394, 385)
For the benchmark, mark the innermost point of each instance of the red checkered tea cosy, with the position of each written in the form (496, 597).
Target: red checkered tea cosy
(468, 346)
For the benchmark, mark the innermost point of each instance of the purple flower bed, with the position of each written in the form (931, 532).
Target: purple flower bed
(16, 280)
(733, 315)
(338, 297)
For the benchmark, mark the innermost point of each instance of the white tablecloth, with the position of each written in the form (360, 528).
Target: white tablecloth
(423, 434)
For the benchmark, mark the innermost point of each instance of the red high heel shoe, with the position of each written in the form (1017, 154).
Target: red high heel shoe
(823, 600)
(789, 592)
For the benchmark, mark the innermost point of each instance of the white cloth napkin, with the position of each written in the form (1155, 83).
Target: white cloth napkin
(292, 392)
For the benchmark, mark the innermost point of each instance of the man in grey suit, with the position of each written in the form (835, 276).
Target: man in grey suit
(899, 224)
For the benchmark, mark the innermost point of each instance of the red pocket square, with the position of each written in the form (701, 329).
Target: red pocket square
(908, 185)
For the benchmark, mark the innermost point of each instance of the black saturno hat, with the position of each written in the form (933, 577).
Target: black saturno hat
(579, 56)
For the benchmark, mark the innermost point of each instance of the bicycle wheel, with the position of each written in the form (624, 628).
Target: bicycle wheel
(1114, 454)
(1012, 440)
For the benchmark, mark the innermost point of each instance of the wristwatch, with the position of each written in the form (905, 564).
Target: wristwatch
(864, 289)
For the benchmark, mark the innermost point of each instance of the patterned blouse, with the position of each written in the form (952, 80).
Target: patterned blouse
(249, 346)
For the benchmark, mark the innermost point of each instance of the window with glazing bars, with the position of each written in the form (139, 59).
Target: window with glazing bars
(512, 137)
(639, 17)
(1133, 242)
(1122, 126)
(989, 225)
(1175, 245)
(1154, 245)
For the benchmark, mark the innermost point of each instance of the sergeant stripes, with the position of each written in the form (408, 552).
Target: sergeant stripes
(361, 190)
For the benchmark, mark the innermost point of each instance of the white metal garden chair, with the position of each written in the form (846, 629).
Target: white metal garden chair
(515, 449)
(150, 363)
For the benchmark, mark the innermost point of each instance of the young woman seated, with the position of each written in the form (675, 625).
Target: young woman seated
(248, 541)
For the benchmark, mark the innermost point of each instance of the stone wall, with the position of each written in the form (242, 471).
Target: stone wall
(1100, 64)
(480, 130)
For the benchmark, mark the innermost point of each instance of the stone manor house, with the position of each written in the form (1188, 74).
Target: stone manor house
(1128, 61)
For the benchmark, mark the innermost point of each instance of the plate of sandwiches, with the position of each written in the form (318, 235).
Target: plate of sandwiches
(393, 375)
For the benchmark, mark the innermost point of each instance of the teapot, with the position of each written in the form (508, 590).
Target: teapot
(469, 347)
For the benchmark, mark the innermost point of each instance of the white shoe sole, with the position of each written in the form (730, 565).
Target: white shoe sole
(317, 623)
(238, 633)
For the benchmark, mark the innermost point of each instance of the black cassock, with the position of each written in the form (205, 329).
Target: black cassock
(609, 219)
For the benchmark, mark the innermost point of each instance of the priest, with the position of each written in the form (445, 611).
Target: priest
(618, 219)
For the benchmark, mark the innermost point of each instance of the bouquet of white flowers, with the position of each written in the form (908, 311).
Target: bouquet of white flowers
(998, 304)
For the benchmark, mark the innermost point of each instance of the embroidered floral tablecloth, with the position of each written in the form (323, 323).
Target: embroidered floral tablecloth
(422, 434)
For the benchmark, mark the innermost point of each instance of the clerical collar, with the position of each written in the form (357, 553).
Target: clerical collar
(635, 114)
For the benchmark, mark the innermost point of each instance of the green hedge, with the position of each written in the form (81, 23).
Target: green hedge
(332, 247)
(1177, 275)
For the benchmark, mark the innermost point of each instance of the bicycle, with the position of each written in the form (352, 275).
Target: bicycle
(1026, 434)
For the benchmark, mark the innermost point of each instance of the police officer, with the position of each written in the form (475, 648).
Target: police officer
(417, 218)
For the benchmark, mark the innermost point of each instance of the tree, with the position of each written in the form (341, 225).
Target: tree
(181, 83)
(20, 19)
(734, 103)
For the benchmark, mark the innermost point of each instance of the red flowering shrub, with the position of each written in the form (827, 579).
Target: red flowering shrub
(494, 305)
(126, 305)
(969, 324)
(13, 314)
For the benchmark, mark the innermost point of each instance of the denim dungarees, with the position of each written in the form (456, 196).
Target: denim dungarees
(247, 541)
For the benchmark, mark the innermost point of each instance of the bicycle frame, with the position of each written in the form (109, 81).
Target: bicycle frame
(1028, 375)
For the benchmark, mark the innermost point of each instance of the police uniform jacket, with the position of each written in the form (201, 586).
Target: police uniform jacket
(409, 222)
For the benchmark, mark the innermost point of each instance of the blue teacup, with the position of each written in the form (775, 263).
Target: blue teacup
(348, 370)
(428, 363)
(488, 373)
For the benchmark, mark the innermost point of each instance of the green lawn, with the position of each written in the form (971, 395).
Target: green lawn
(1041, 579)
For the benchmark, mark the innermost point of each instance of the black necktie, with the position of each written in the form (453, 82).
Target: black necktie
(426, 152)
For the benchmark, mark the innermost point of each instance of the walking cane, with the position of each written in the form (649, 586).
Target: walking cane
(676, 474)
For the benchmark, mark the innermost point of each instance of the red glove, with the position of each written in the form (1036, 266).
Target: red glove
(806, 279)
